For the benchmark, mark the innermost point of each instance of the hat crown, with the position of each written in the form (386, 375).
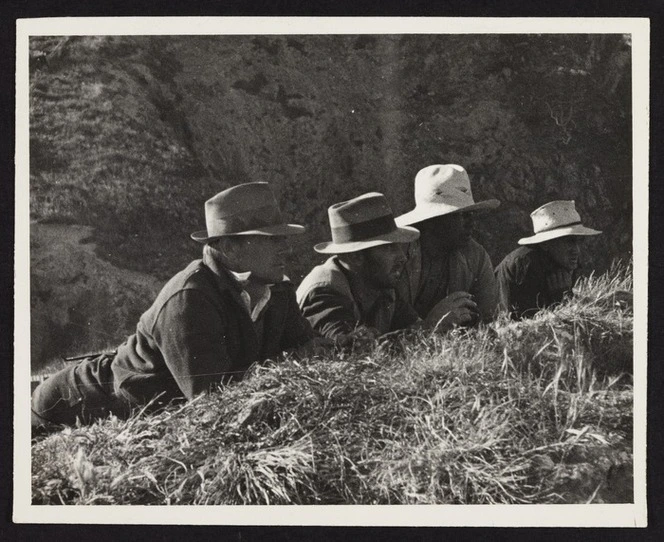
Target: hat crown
(360, 218)
(442, 189)
(555, 214)
(360, 209)
(446, 184)
(242, 208)
(556, 219)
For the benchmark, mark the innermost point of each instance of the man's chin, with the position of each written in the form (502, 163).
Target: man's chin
(269, 278)
(464, 241)
(396, 274)
(385, 282)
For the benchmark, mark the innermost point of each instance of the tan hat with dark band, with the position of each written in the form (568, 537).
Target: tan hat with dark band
(363, 222)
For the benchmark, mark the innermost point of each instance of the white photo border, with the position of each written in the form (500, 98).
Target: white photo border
(604, 515)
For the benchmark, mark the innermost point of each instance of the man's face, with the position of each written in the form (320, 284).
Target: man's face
(453, 231)
(383, 265)
(564, 251)
(265, 256)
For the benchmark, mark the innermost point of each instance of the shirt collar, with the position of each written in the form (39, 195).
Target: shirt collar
(242, 278)
(220, 270)
(262, 292)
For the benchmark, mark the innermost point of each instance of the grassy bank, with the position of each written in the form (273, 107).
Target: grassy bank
(528, 412)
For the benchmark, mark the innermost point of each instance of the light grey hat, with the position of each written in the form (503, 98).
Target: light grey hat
(245, 209)
(556, 219)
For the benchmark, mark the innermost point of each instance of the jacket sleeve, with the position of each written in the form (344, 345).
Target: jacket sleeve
(412, 273)
(518, 287)
(485, 289)
(404, 313)
(329, 313)
(504, 282)
(297, 330)
(190, 333)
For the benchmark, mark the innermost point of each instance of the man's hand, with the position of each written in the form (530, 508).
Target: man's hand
(362, 337)
(559, 281)
(318, 346)
(456, 309)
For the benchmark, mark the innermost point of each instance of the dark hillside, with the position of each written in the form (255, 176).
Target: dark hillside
(107, 152)
(531, 118)
(130, 135)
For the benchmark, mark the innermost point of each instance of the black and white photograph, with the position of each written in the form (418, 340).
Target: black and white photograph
(395, 265)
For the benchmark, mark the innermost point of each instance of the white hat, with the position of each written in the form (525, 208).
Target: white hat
(442, 189)
(556, 219)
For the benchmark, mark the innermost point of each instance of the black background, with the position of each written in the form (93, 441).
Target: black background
(10, 10)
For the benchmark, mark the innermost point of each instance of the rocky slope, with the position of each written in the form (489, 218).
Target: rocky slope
(130, 135)
(80, 302)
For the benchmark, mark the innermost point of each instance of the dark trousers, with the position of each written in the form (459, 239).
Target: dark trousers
(82, 391)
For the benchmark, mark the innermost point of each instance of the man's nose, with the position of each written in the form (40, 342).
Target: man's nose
(284, 247)
(574, 247)
(398, 254)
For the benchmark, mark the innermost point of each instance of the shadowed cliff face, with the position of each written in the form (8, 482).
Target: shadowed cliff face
(327, 118)
(79, 302)
(132, 134)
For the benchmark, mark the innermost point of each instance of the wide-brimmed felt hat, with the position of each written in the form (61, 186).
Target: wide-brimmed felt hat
(245, 209)
(556, 219)
(363, 222)
(442, 189)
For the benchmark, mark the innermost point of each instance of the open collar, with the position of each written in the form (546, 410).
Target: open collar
(241, 284)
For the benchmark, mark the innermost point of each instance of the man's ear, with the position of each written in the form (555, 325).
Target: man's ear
(222, 246)
(544, 246)
(354, 260)
(232, 247)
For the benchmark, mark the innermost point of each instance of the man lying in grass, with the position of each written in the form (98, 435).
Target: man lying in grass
(540, 274)
(209, 323)
(446, 262)
(352, 296)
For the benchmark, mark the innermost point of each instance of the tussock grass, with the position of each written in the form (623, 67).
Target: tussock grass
(515, 412)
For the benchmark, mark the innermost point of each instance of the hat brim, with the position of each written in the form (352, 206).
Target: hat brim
(425, 212)
(558, 232)
(400, 235)
(278, 229)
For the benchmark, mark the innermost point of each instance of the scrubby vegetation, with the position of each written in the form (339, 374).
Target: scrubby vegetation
(514, 412)
(129, 135)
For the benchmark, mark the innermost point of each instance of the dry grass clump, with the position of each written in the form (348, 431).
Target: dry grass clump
(588, 336)
(527, 412)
